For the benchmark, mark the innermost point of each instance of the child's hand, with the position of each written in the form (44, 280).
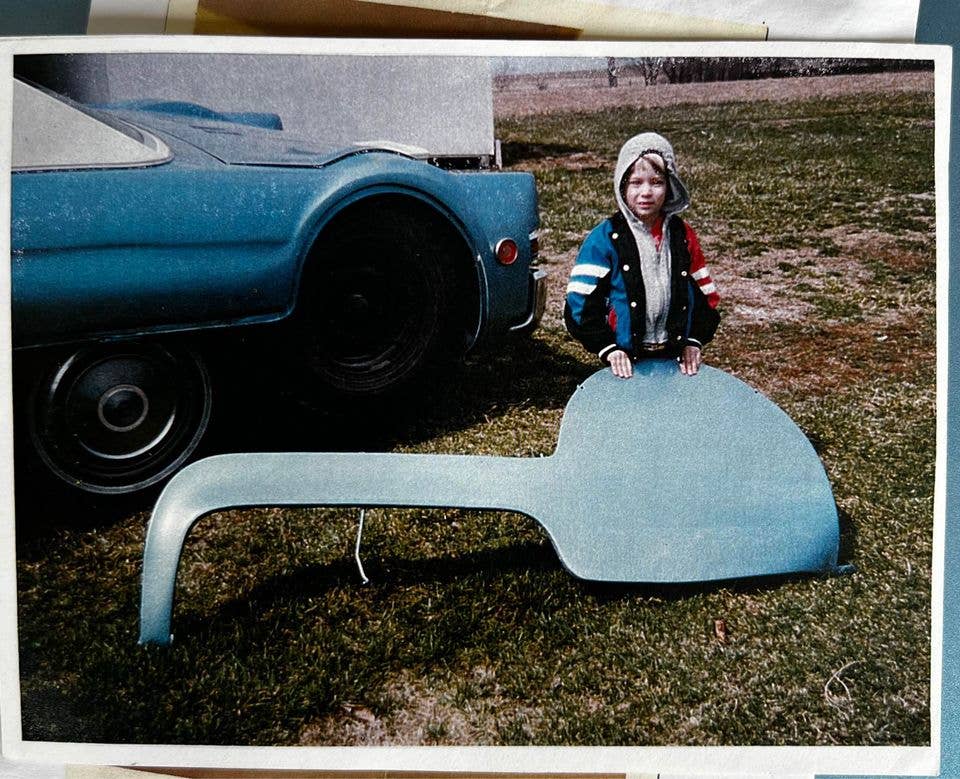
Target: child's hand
(620, 363)
(690, 360)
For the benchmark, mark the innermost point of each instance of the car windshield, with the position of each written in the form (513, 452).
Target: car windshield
(50, 131)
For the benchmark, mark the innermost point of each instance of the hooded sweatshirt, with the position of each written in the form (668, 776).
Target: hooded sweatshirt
(655, 261)
(601, 310)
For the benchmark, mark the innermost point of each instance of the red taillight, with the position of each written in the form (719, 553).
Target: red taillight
(507, 251)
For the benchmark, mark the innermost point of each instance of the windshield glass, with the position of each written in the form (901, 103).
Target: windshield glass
(50, 131)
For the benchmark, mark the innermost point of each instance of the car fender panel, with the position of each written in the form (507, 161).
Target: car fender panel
(660, 478)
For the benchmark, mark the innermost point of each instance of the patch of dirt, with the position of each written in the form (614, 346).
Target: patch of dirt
(839, 356)
(424, 716)
(901, 254)
(524, 97)
(559, 266)
(749, 295)
(840, 351)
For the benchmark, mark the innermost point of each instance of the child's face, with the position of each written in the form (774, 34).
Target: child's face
(645, 191)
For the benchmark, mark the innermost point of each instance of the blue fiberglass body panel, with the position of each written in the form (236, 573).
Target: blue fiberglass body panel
(659, 478)
(721, 482)
(218, 234)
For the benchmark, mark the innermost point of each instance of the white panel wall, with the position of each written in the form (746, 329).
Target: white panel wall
(443, 104)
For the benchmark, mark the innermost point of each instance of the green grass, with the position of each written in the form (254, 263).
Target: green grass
(470, 631)
(773, 172)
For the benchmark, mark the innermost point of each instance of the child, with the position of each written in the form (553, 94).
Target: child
(640, 286)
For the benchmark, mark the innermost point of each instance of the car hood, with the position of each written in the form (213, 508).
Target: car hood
(237, 144)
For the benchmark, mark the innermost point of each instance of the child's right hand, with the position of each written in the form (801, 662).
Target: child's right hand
(620, 363)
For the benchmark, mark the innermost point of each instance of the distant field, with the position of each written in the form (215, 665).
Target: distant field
(553, 93)
(814, 202)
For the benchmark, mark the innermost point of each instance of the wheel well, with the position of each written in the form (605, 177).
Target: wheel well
(361, 215)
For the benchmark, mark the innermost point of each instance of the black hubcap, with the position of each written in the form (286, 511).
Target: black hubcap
(119, 418)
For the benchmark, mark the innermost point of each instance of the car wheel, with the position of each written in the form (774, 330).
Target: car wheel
(376, 307)
(119, 418)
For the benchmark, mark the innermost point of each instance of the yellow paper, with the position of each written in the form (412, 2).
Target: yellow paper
(109, 772)
(181, 16)
(597, 21)
(548, 19)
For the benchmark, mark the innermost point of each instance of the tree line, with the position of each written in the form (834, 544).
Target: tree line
(683, 70)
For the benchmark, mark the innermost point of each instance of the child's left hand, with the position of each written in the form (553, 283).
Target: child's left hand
(690, 360)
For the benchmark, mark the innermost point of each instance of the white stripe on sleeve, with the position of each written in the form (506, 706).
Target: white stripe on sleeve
(580, 287)
(587, 269)
(701, 274)
(708, 289)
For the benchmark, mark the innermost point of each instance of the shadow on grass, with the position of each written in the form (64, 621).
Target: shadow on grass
(515, 152)
(606, 592)
(44, 504)
(392, 574)
(848, 537)
(385, 574)
(265, 408)
(255, 412)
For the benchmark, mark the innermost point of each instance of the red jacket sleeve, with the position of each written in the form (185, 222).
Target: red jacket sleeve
(699, 270)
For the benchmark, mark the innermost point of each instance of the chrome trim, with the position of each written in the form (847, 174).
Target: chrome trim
(538, 277)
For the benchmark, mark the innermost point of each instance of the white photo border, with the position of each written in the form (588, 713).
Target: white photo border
(915, 760)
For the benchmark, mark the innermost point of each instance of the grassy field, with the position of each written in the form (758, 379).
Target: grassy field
(817, 216)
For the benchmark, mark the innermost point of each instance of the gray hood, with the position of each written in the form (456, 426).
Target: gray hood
(632, 150)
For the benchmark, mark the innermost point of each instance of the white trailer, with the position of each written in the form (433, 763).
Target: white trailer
(441, 104)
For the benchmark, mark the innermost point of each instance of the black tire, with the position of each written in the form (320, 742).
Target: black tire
(377, 301)
(119, 418)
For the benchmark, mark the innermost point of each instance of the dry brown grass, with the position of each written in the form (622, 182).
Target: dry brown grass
(421, 715)
(524, 98)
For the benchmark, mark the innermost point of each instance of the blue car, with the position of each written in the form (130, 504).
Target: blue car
(135, 224)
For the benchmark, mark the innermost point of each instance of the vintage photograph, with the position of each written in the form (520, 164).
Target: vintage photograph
(338, 310)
